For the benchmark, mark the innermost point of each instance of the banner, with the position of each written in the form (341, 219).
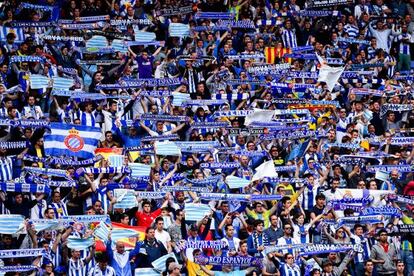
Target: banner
(233, 261)
(21, 253)
(72, 140)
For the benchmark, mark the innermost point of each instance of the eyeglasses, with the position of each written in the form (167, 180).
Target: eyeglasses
(288, 258)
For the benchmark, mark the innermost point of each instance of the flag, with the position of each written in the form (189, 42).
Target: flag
(139, 170)
(72, 140)
(119, 46)
(146, 272)
(274, 53)
(39, 81)
(195, 211)
(116, 160)
(166, 148)
(159, 264)
(266, 169)
(179, 98)
(79, 243)
(11, 224)
(179, 30)
(97, 41)
(4, 31)
(129, 235)
(106, 153)
(62, 83)
(125, 199)
(235, 182)
(144, 37)
(259, 115)
(330, 75)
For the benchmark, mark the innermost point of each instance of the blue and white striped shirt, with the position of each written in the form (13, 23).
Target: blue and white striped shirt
(6, 169)
(77, 267)
(289, 38)
(351, 30)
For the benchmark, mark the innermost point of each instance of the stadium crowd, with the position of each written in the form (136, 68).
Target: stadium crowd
(235, 137)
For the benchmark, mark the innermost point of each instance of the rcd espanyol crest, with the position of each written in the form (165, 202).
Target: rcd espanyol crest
(73, 141)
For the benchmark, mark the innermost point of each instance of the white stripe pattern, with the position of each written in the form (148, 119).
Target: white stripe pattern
(97, 41)
(179, 30)
(195, 212)
(166, 148)
(62, 83)
(39, 81)
(141, 36)
(138, 169)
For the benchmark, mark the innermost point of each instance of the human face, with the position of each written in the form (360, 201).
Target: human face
(369, 267)
(400, 267)
(289, 259)
(151, 234)
(160, 225)
(120, 247)
(98, 207)
(259, 228)
(147, 208)
(230, 231)
(383, 237)
(287, 229)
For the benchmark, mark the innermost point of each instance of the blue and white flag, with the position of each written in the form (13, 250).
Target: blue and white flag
(236, 182)
(119, 46)
(166, 148)
(72, 140)
(146, 272)
(44, 224)
(4, 31)
(39, 81)
(11, 224)
(180, 98)
(159, 264)
(144, 37)
(79, 244)
(116, 160)
(195, 211)
(179, 30)
(125, 199)
(62, 83)
(97, 41)
(102, 231)
(139, 170)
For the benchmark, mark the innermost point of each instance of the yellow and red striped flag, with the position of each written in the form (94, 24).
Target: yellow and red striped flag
(274, 53)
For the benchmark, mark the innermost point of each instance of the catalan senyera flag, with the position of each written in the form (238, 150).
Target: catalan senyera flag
(274, 53)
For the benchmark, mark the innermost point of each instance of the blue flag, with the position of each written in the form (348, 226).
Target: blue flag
(72, 140)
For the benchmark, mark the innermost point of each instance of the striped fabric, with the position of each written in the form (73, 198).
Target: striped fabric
(236, 182)
(159, 264)
(44, 224)
(179, 98)
(166, 148)
(102, 231)
(179, 30)
(39, 81)
(273, 53)
(146, 272)
(139, 170)
(141, 36)
(79, 244)
(6, 169)
(195, 212)
(125, 198)
(11, 224)
(231, 96)
(97, 41)
(62, 83)
(4, 31)
(116, 160)
(119, 46)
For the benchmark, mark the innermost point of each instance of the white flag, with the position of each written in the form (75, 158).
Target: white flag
(267, 169)
(330, 75)
(259, 115)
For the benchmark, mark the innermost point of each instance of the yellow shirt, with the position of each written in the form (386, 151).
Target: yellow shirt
(39, 154)
(195, 270)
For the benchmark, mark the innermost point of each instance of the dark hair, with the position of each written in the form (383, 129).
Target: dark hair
(257, 222)
(158, 219)
(320, 196)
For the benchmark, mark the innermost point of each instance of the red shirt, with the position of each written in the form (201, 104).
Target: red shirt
(385, 246)
(144, 219)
